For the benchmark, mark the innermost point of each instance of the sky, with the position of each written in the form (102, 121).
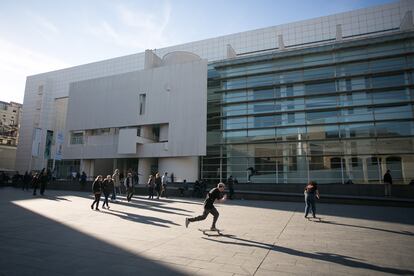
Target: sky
(38, 36)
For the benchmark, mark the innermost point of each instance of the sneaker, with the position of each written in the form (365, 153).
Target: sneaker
(108, 207)
(92, 207)
(213, 229)
(97, 209)
(103, 207)
(187, 222)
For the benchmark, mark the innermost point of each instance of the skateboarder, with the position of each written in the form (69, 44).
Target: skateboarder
(213, 195)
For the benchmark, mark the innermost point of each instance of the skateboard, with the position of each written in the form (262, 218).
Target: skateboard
(208, 232)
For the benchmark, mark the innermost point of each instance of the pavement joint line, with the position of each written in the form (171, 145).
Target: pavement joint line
(277, 238)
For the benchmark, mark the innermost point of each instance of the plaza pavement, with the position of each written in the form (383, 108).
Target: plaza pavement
(59, 234)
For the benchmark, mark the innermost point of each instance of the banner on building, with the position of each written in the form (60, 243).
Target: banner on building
(48, 144)
(59, 146)
(37, 136)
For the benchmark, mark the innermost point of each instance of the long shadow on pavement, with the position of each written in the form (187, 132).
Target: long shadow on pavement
(408, 233)
(146, 207)
(141, 219)
(375, 213)
(327, 257)
(33, 244)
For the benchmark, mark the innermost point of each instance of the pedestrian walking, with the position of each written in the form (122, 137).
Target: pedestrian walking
(96, 190)
(388, 183)
(43, 179)
(117, 184)
(107, 188)
(230, 182)
(311, 193)
(35, 182)
(129, 186)
(83, 178)
(26, 181)
(158, 185)
(151, 185)
(164, 183)
(214, 194)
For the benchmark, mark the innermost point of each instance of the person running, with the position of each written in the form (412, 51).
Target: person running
(158, 185)
(214, 194)
(151, 185)
(129, 185)
(107, 188)
(311, 191)
(97, 189)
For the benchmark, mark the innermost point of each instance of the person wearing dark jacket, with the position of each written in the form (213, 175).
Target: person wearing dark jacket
(26, 181)
(230, 182)
(107, 188)
(387, 183)
(158, 185)
(43, 179)
(214, 194)
(151, 186)
(311, 192)
(96, 190)
(35, 183)
(129, 185)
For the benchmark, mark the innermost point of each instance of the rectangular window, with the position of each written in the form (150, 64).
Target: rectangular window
(142, 99)
(76, 138)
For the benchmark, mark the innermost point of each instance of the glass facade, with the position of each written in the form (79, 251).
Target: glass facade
(334, 113)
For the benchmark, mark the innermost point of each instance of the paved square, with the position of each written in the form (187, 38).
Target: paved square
(60, 235)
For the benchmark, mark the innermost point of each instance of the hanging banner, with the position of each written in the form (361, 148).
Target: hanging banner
(48, 144)
(37, 132)
(59, 146)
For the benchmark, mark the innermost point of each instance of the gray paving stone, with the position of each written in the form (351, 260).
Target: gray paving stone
(60, 235)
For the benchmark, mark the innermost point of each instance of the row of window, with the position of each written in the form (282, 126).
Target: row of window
(318, 73)
(324, 58)
(315, 148)
(379, 129)
(310, 117)
(324, 87)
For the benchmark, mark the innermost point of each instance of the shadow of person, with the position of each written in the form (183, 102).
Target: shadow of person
(141, 219)
(323, 256)
(149, 207)
(57, 198)
(408, 233)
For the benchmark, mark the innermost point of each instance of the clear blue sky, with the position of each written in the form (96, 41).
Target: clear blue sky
(38, 36)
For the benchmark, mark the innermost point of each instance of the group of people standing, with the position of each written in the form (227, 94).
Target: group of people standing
(157, 184)
(112, 185)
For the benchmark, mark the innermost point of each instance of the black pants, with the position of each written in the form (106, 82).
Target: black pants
(151, 192)
(212, 211)
(231, 192)
(164, 191)
(106, 200)
(97, 198)
(42, 188)
(34, 189)
(130, 193)
(158, 190)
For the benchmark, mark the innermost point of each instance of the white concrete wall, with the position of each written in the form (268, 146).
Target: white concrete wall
(182, 167)
(114, 102)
